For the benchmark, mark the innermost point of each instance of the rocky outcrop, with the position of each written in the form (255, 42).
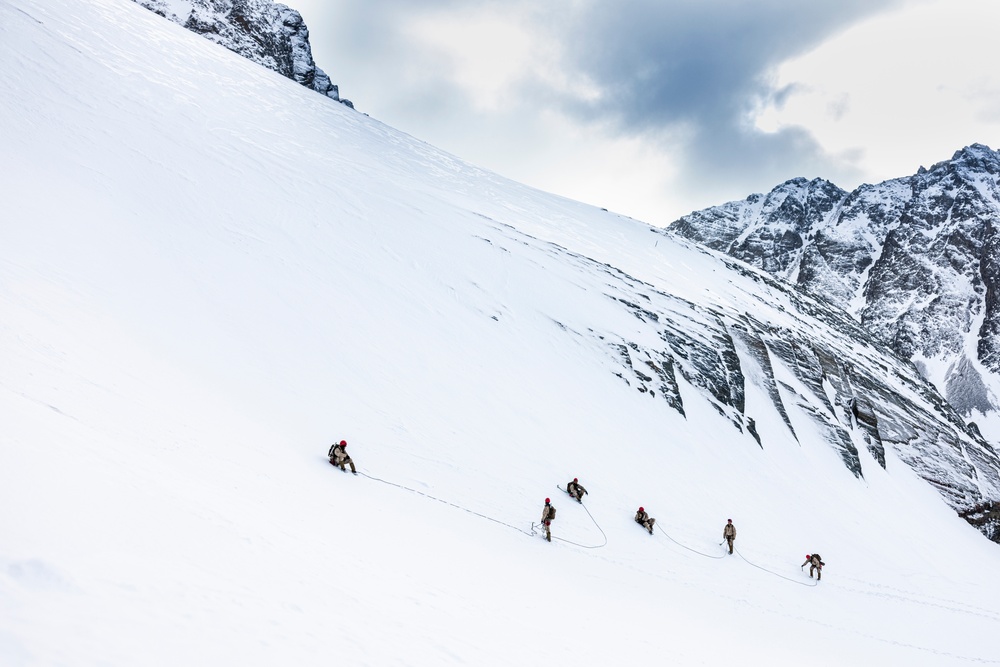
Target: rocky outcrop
(985, 517)
(766, 230)
(823, 374)
(915, 260)
(268, 33)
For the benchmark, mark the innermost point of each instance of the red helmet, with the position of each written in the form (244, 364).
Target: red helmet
(808, 556)
(575, 479)
(547, 501)
(641, 509)
(343, 443)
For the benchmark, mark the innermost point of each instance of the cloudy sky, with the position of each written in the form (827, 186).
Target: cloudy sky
(654, 108)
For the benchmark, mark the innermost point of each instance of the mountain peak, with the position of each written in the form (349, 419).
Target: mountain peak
(977, 151)
(976, 157)
(801, 182)
(914, 259)
(268, 33)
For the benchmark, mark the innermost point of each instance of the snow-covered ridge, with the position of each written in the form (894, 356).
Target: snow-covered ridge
(268, 33)
(914, 259)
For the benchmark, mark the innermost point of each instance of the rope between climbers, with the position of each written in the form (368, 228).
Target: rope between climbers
(794, 581)
(687, 547)
(561, 539)
(585, 546)
(446, 502)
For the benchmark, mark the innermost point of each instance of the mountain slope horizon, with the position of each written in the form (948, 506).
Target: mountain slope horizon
(207, 274)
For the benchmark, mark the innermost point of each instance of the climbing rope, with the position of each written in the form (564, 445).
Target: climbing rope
(583, 546)
(687, 547)
(562, 539)
(447, 502)
(794, 581)
(596, 524)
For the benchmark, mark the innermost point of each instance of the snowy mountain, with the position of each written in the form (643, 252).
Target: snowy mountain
(268, 33)
(913, 259)
(207, 274)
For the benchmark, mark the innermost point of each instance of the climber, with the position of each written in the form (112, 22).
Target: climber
(815, 563)
(643, 519)
(729, 534)
(576, 490)
(548, 516)
(339, 457)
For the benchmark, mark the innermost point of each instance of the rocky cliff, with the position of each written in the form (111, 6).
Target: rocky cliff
(916, 260)
(266, 32)
(825, 376)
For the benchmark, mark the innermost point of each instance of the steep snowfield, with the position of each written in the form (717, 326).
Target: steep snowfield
(200, 290)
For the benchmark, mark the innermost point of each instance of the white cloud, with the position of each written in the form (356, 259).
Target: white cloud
(488, 54)
(900, 90)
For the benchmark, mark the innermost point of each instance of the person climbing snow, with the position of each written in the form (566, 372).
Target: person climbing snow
(729, 534)
(815, 564)
(339, 457)
(576, 490)
(643, 519)
(548, 516)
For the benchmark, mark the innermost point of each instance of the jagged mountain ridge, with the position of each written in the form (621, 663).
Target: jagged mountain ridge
(914, 259)
(268, 33)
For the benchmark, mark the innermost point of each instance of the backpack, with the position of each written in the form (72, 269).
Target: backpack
(552, 513)
(817, 557)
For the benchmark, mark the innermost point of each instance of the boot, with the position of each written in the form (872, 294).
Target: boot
(548, 537)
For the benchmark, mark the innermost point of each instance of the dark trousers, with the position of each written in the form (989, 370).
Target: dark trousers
(342, 464)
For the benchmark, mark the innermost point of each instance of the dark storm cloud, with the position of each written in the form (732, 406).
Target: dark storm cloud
(703, 66)
(693, 69)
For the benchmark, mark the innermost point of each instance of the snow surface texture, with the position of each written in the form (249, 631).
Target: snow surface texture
(207, 274)
(916, 260)
(269, 33)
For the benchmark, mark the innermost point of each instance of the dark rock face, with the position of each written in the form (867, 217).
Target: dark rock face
(769, 231)
(266, 32)
(916, 260)
(821, 371)
(985, 517)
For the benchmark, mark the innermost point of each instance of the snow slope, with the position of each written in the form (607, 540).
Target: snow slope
(207, 273)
